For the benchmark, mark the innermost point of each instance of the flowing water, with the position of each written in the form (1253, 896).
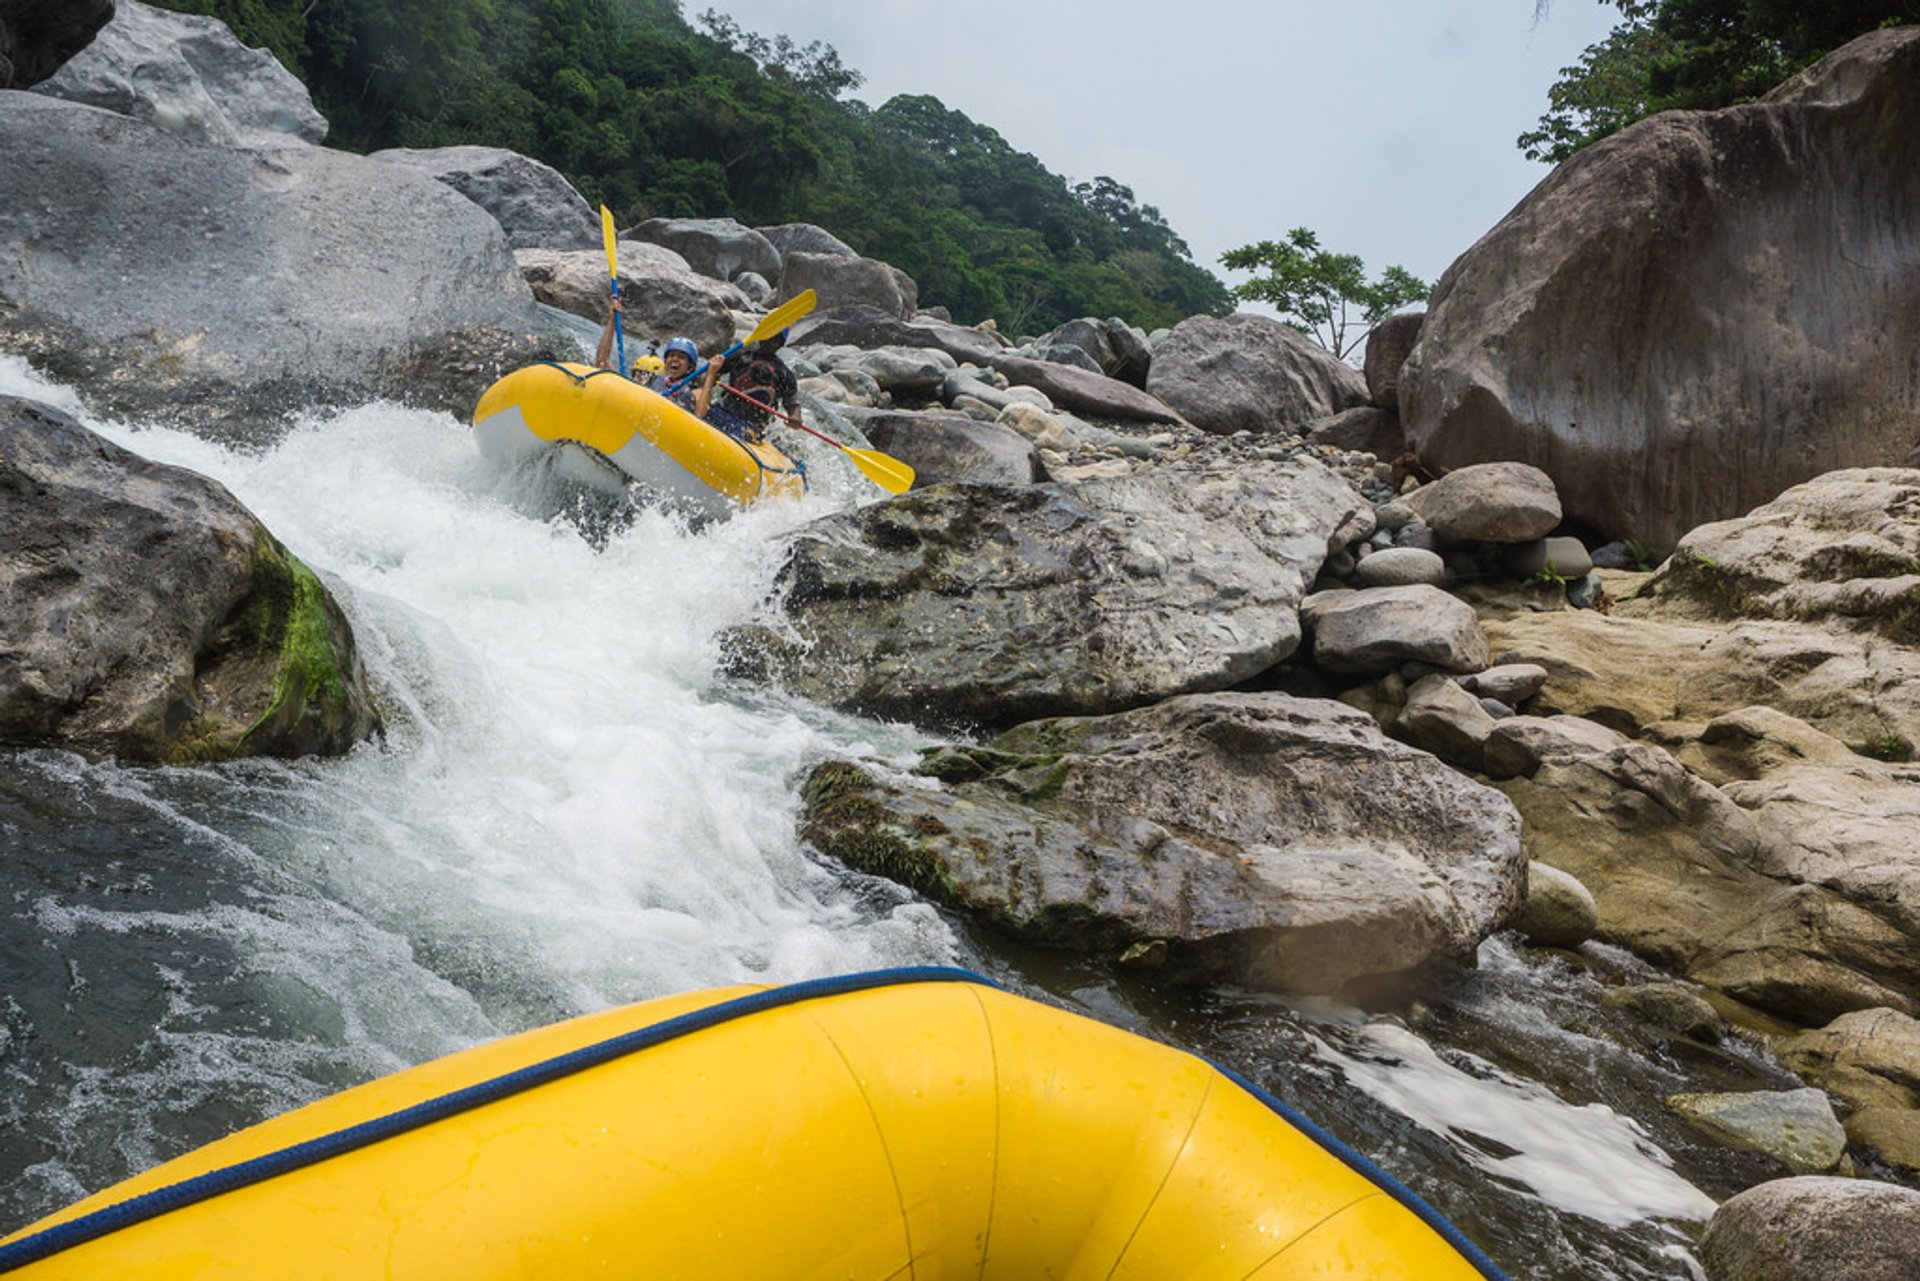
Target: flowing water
(571, 808)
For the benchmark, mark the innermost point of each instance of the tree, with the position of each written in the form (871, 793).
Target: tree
(1694, 54)
(1322, 291)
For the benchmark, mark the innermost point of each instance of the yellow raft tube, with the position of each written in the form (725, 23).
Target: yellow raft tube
(610, 430)
(916, 1123)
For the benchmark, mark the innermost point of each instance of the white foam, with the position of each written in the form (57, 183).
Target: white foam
(1587, 1160)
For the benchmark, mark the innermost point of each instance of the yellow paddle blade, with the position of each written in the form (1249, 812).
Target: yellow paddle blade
(782, 316)
(887, 472)
(606, 234)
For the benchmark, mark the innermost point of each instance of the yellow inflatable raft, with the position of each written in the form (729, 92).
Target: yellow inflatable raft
(907, 1124)
(610, 430)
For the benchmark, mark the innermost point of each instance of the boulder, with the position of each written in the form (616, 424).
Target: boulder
(1722, 290)
(1796, 1127)
(716, 247)
(146, 615)
(1264, 839)
(954, 449)
(838, 281)
(190, 76)
(1815, 1228)
(220, 289)
(1559, 911)
(1671, 1007)
(805, 238)
(977, 605)
(1561, 559)
(1249, 373)
(1388, 347)
(1367, 430)
(1488, 503)
(36, 37)
(1843, 548)
(1376, 629)
(1400, 567)
(1444, 719)
(1084, 392)
(1511, 683)
(1870, 1058)
(532, 202)
(1109, 347)
(657, 301)
(915, 372)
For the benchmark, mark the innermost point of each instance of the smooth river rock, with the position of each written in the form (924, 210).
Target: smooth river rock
(1815, 1228)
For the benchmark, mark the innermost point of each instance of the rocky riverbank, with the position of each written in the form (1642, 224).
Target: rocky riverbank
(1250, 667)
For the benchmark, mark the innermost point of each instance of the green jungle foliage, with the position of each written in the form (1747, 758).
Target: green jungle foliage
(1695, 54)
(655, 118)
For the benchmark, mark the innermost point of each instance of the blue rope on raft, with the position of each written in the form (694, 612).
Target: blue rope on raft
(151, 1205)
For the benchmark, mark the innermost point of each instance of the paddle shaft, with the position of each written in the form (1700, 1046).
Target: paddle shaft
(883, 470)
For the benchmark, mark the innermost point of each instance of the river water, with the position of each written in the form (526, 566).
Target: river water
(570, 809)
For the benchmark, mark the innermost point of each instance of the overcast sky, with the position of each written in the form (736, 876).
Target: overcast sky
(1387, 126)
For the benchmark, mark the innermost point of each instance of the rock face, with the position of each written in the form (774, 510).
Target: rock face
(657, 300)
(716, 247)
(216, 288)
(36, 37)
(1842, 548)
(1271, 840)
(839, 281)
(1694, 314)
(1388, 347)
(534, 205)
(1815, 1229)
(989, 606)
(1248, 373)
(146, 614)
(191, 77)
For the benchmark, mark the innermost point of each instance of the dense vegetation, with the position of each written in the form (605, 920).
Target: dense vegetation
(654, 117)
(1700, 54)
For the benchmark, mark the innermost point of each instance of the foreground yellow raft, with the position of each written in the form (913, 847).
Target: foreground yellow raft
(911, 1123)
(610, 430)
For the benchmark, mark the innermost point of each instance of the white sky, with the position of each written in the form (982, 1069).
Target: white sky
(1387, 126)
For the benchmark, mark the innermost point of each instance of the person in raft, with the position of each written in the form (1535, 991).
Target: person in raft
(679, 358)
(752, 381)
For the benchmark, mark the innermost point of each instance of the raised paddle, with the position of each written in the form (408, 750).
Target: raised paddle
(883, 470)
(613, 286)
(772, 323)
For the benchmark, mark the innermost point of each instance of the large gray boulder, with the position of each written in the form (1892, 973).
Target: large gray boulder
(1110, 347)
(1815, 1228)
(1084, 392)
(190, 76)
(716, 247)
(992, 605)
(221, 289)
(37, 36)
(805, 238)
(1723, 291)
(1376, 629)
(532, 202)
(1388, 347)
(1488, 503)
(839, 281)
(947, 448)
(1264, 839)
(657, 299)
(1249, 373)
(146, 615)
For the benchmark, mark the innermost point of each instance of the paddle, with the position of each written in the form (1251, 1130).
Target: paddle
(779, 318)
(883, 470)
(613, 285)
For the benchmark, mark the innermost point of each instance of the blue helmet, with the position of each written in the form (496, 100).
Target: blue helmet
(685, 347)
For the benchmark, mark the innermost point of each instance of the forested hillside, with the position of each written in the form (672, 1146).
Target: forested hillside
(657, 118)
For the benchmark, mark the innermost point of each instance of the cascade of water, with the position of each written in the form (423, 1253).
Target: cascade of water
(570, 809)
